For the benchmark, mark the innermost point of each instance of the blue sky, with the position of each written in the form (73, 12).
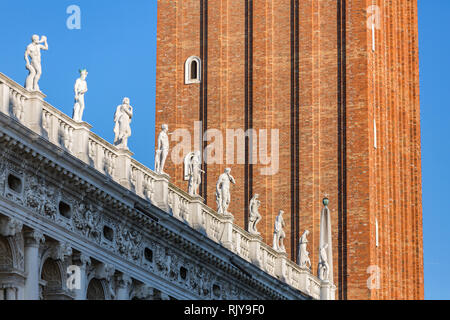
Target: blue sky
(117, 44)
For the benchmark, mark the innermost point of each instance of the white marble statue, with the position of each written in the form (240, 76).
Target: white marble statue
(122, 129)
(80, 89)
(34, 67)
(324, 267)
(255, 216)
(223, 196)
(162, 149)
(278, 234)
(193, 172)
(303, 254)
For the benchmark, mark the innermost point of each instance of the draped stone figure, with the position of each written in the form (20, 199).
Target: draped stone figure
(162, 149)
(223, 196)
(324, 267)
(303, 254)
(122, 129)
(255, 216)
(193, 172)
(279, 235)
(80, 89)
(34, 66)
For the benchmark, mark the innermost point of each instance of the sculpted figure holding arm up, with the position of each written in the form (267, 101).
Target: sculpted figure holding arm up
(34, 66)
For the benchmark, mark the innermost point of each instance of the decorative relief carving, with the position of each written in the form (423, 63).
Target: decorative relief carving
(87, 221)
(50, 208)
(33, 193)
(129, 243)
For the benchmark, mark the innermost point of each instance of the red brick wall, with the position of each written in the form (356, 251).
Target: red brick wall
(339, 79)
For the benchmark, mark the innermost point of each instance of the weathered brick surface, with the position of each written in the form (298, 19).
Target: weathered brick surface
(382, 184)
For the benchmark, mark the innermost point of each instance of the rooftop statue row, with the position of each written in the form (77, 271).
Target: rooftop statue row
(124, 112)
(192, 167)
(193, 174)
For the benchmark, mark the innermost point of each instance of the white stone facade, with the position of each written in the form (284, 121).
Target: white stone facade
(70, 201)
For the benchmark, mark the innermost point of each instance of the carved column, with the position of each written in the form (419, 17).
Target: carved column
(83, 262)
(123, 283)
(32, 241)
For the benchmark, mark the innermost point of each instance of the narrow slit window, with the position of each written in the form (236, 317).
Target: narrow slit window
(194, 70)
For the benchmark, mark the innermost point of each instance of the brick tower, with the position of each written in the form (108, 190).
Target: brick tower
(339, 80)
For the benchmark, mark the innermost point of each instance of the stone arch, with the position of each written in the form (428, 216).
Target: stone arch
(6, 255)
(96, 290)
(51, 274)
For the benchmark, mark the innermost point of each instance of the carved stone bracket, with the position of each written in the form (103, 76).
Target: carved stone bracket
(9, 227)
(60, 251)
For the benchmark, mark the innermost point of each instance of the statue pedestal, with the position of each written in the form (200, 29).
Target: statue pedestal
(304, 279)
(161, 192)
(255, 249)
(280, 266)
(327, 290)
(227, 238)
(81, 141)
(123, 167)
(195, 218)
(33, 113)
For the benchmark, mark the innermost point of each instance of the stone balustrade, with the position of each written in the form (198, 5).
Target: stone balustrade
(78, 140)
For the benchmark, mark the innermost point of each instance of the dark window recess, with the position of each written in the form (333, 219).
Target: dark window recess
(216, 290)
(148, 255)
(183, 273)
(65, 210)
(194, 70)
(15, 183)
(108, 233)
